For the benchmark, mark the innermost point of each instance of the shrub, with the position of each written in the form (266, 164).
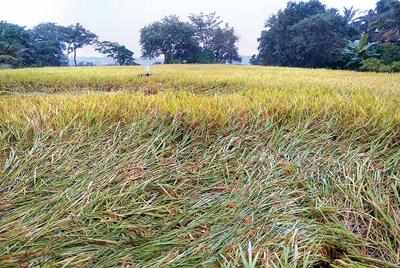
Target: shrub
(377, 65)
(396, 66)
(8, 60)
(385, 68)
(389, 52)
(371, 65)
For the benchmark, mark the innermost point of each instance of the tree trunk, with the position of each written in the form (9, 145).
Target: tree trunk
(75, 58)
(167, 58)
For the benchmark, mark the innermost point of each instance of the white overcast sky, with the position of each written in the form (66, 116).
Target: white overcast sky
(121, 20)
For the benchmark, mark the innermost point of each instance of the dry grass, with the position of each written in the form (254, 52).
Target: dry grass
(194, 78)
(196, 163)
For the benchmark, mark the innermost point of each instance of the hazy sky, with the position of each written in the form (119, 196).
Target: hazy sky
(121, 20)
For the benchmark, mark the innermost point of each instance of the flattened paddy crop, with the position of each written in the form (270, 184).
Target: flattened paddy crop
(199, 166)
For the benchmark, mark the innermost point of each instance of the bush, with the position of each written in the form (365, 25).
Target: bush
(376, 65)
(8, 60)
(385, 69)
(205, 56)
(396, 66)
(371, 65)
(389, 52)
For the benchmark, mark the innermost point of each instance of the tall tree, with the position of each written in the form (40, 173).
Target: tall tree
(117, 52)
(218, 44)
(274, 43)
(350, 14)
(305, 34)
(205, 26)
(319, 40)
(224, 45)
(15, 45)
(49, 44)
(384, 21)
(77, 37)
(171, 38)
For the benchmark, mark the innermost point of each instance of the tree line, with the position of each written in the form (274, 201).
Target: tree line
(49, 44)
(303, 34)
(205, 39)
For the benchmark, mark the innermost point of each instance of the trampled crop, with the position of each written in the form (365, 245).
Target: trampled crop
(103, 167)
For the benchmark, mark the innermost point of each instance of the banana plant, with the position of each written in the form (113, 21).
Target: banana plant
(357, 51)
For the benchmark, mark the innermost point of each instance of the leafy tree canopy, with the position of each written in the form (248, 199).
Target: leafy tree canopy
(305, 34)
(201, 40)
(384, 22)
(117, 52)
(170, 37)
(217, 43)
(77, 37)
(49, 43)
(15, 45)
